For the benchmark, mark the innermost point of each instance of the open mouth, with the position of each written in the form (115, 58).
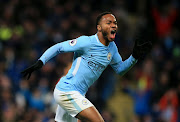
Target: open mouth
(113, 34)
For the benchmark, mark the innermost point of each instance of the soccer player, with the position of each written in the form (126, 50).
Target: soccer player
(92, 54)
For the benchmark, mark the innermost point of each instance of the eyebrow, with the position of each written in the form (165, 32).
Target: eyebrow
(111, 21)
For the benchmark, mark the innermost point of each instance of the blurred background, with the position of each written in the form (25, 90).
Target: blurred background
(149, 92)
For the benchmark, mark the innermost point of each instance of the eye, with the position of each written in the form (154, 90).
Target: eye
(108, 23)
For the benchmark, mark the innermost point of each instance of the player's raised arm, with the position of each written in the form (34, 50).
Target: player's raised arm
(120, 66)
(74, 45)
(141, 48)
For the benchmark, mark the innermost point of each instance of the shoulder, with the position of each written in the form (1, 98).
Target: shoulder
(113, 46)
(87, 40)
(83, 41)
(83, 38)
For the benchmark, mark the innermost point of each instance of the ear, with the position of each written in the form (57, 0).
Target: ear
(99, 28)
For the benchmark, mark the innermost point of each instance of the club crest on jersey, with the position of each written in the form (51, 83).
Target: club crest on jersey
(72, 42)
(109, 56)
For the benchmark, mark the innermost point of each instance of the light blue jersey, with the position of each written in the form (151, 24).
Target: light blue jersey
(91, 58)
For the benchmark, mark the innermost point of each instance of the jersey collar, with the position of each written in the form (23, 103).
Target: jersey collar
(97, 39)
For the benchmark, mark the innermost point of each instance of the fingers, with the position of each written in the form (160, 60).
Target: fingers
(26, 70)
(22, 72)
(26, 73)
(29, 75)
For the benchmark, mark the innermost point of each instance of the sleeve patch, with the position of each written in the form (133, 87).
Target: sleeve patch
(73, 42)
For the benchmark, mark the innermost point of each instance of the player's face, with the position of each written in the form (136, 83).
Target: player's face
(108, 27)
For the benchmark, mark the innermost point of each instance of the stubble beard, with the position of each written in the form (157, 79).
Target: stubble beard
(105, 33)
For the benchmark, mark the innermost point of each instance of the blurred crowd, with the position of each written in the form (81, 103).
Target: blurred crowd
(151, 87)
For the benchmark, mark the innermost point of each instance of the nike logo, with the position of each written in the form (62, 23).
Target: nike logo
(143, 44)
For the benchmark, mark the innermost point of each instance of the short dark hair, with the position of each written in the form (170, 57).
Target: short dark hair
(98, 19)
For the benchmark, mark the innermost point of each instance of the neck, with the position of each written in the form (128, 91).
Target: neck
(101, 38)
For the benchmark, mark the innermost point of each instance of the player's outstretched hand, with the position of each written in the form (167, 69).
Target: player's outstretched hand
(141, 47)
(27, 72)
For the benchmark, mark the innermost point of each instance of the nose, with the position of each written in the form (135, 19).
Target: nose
(113, 25)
